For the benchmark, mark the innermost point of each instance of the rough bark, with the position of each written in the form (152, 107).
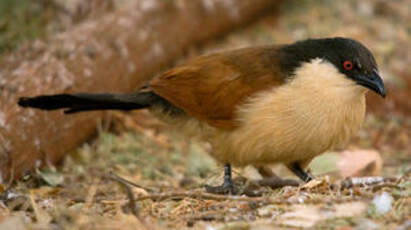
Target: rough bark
(116, 52)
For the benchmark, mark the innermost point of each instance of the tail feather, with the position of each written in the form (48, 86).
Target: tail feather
(86, 102)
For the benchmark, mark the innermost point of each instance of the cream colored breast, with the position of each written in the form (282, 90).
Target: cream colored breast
(316, 111)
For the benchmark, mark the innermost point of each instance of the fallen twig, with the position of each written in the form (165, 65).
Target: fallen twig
(386, 185)
(276, 182)
(206, 196)
(365, 181)
(131, 200)
(90, 196)
(125, 181)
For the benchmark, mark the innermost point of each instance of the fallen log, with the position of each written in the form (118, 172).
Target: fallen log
(116, 52)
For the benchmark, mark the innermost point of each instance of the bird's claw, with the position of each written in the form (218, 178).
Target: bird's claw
(224, 189)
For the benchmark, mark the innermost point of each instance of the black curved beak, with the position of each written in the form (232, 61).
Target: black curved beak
(372, 81)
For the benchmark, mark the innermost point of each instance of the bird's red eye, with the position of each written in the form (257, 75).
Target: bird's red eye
(348, 65)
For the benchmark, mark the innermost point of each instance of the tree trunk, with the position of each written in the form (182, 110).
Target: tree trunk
(114, 53)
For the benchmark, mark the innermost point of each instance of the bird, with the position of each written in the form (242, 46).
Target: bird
(259, 105)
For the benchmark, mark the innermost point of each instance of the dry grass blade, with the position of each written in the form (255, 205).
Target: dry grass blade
(90, 196)
(41, 216)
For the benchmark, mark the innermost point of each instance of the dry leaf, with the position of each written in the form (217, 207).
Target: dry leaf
(358, 163)
(315, 183)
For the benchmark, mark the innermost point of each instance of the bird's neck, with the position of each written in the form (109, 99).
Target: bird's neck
(321, 78)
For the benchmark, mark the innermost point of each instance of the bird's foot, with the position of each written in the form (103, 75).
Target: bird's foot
(309, 176)
(224, 189)
(228, 186)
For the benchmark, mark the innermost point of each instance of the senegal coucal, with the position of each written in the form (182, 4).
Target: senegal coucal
(255, 106)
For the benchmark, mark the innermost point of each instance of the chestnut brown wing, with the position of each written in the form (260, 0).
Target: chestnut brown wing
(211, 87)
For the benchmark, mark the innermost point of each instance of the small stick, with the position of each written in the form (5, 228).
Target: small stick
(364, 181)
(276, 182)
(386, 185)
(131, 200)
(209, 196)
(124, 181)
(41, 216)
(194, 195)
(90, 195)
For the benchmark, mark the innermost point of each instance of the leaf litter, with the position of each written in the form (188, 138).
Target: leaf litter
(139, 174)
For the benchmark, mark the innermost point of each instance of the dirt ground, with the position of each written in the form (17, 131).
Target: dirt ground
(92, 187)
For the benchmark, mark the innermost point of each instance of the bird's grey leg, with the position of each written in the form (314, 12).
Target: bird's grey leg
(227, 187)
(300, 172)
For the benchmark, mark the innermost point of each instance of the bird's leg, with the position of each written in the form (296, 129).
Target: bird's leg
(227, 187)
(300, 172)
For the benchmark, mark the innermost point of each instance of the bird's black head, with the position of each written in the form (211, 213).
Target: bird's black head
(350, 57)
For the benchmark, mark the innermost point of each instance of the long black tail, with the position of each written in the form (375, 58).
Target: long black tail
(85, 101)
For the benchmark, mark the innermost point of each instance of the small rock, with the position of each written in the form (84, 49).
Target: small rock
(383, 203)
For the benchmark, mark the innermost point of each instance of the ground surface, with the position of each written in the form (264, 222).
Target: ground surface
(87, 191)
